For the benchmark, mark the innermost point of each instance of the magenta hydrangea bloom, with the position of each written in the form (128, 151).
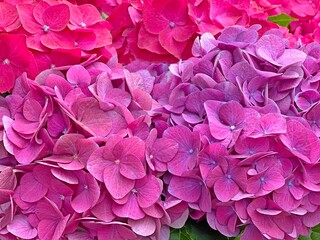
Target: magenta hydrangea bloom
(118, 164)
(189, 144)
(47, 24)
(21, 227)
(86, 194)
(72, 151)
(15, 59)
(96, 149)
(51, 221)
(144, 194)
(301, 142)
(191, 189)
(227, 120)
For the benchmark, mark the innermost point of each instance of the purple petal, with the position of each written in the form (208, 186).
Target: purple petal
(20, 227)
(31, 189)
(143, 227)
(117, 185)
(225, 189)
(187, 189)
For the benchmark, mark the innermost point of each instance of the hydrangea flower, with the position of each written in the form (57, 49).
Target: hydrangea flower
(99, 149)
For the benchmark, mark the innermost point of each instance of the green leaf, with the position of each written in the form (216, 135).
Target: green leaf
(104, 16)
(281, 19)
(315, 236)
(316, 229)
(179, 234)
(196, 231)
(305, 238)
(236, 238)
(199, 233)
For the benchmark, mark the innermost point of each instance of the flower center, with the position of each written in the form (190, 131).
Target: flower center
(151, 156)
(117, 161)
(62, 197)
(134, 191)
(229, 176)
(294, 149)
(83, 25)
(262, 179)
(52, 66)
(6, 61)
(232, 127)
(85, 186)
(191, 151)
(46, 28)
(172, 24)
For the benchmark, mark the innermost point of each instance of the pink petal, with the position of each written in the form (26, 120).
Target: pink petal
(225, 189)
(148, 190)
(143, 227)
(87, 194)
(26, 17)
(130, 209)
(20, 227)
(78, 76)
(65, 176)
(56, 17)
(117, 185)
(103, 211)
(90, 117)
(164, 149)
(187, 189)
(50, 230)
(31, 189)
(131, 167)
(130, 146)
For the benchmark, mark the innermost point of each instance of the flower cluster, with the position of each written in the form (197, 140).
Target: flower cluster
(230, 135)
(164, 31)
(35, 34)
(304, 28)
